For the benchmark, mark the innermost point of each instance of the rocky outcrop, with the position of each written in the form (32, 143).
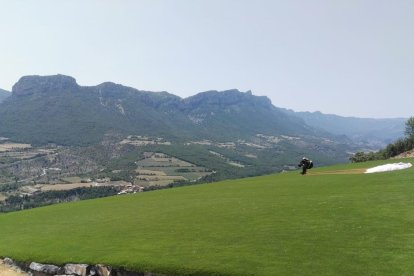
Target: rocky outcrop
(77, 269)
(8, 261)
(38, 269)
(28, 85)
(9, 268)
(226, 98)
(44, 268)
(102, 270)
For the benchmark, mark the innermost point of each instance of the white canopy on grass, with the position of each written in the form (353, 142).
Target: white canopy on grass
(389, 167)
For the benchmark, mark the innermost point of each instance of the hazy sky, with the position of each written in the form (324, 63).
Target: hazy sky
(346, 57)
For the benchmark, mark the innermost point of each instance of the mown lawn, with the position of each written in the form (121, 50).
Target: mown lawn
(284, 224)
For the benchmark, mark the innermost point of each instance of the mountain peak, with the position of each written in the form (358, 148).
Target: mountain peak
(31, 84)
(232, 96)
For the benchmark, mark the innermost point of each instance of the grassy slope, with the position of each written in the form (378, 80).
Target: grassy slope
(272, 225)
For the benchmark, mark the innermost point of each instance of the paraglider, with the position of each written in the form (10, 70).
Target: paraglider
(305, 164)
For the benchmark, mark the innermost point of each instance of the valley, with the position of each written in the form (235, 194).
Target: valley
(33, 176)
(60, 141)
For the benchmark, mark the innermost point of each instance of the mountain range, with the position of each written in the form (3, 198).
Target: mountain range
(55, 109)
(375, 133)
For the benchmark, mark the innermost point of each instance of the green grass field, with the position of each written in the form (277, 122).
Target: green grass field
(284, 224)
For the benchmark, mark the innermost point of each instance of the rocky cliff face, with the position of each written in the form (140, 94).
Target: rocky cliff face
(226, 98)
(44, 84)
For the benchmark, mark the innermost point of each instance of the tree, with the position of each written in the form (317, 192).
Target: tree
(409, 127)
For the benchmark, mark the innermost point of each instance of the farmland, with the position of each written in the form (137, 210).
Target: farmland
(26, 171)
(139, 163)
(11, 146)
(283, 224)
(158, 169)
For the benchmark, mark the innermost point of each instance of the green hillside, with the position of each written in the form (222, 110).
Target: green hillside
(334, 221)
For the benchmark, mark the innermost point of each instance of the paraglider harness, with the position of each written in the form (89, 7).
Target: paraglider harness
(306, 164)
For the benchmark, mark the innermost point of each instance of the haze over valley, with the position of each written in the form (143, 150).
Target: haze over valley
(117, 139)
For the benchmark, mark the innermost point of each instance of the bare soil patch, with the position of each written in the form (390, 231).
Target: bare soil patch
(63, 187)
(13, 146)
(6, 270)
(407, 154)
(350, 171)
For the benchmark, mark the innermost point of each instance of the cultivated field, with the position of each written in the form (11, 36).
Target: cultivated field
(158, 169)
(13, 146)
(143, 141)
(286, 224)
(70, 186)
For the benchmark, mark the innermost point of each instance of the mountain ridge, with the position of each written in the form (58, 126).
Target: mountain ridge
(55, 109)
(46, 104)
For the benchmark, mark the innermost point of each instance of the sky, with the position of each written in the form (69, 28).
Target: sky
(344, 57)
